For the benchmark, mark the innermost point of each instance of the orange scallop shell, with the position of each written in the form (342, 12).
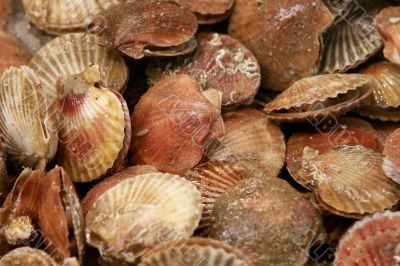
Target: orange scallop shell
(11, 52)
(388, 25)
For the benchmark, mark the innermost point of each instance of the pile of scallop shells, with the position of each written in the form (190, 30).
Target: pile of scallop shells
(200, 132)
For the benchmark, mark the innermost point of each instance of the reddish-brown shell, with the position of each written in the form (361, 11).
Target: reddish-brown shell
(391, 164)
(208, 11)
(5, 11)
(285, 36)
(219, 62)
(327, 136)
(371, 241)
(171, 124)
(153, 27)
(322, 96)
(388, 25)
(11, 52)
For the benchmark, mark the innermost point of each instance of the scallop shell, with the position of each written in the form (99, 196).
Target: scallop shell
(372, 241)
(327, 136)
(208, 11)
(352, 39)
(314, 98)
(233, 69)
(250, 141)
(92, 127)
(391, 163)
(349, 181)
(57, 17)
(5, 11)
(379, 113)
(139, 212)
(152, 27)
(28, 131)
(388, 25)
(27, 256)
(195, 251)
(285, 36)
(11, 52)
(73, 53)
(268, 220)
(187, 119)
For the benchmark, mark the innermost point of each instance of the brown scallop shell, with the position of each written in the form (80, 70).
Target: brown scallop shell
(285, 37)
(391, 163)
(349, 181)
(152, 27)
(219, 62)
(252, 142)
(187, 119)
(388, 25)
(27, 256)
(208, 11)
(328, 136)
(352, 39)
(195, 251)
(318, 97)
(5, 11)
(268, 220)
(372, 241)
(11, 52)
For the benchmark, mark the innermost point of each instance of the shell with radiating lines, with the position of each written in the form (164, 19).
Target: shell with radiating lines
(27, 256)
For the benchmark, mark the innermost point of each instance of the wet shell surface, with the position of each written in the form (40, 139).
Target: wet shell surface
(313, 98)
(195, 251)
(285, 37)
(349, 181)
(11, 52)
(391, 163)
(73, 53)
(208, 11)
(28, 130)
(153, 27)
(27, 256)
(352, 39)
(139, 212)
(92, 126)
(219, 62)
(388, 25)
(290, 221)
(327, 136)
(58, 17)
(252, 142)
(372, 241)
(187, 119)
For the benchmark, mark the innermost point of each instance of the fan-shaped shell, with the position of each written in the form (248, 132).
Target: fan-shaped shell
(285, 36)
(349, 181)
(198, 251)
(27, 256)
(352, 39)
(11, 52)
(388, 25)
(268, 220)
(152, 27)
(319, 97)
(252, 142)
(73, 53)
(139, 212)
(372, 241)
(28, 131)
(391, 163)
(327, 136)
(58, 17)
(219, 62)
(208, 11)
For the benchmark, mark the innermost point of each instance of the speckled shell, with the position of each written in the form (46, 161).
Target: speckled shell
(285, 36)
(252, 142)
(152, 27)
(11, 52)
(28, 130)
(208, 11)
(197, 251)
(268, 220)
(371, 241)
(388, 25)
(139, 212)
(349, 181)
(327, 136)
(322, 96)
(219, 62)
(391, 163)
(73, 53)
(27, 256)
(57, 17)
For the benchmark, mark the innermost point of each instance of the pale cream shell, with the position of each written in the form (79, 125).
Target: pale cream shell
(27, 256)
